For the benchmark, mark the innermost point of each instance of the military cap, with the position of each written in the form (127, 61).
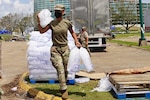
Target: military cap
(59, 7)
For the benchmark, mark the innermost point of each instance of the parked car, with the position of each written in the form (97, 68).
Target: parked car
(18, 38)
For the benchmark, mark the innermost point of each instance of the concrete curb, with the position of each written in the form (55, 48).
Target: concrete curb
(34, 92)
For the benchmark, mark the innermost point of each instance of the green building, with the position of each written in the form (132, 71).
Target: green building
(130, 6)
(50, 4)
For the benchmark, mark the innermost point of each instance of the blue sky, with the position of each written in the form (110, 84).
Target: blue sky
(146, 1)
(16, 6)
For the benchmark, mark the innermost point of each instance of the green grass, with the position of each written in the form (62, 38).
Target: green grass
(130, 34)
(128, 43)
(146, 47)
(125, 43)
(6, 37)
(78, 91)
(126, 35)
(83, 91)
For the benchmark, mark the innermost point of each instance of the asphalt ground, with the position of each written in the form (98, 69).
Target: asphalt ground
(118, 57)
(115, 57)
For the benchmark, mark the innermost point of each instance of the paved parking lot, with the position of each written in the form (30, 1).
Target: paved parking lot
(115, 57)
(119, 57)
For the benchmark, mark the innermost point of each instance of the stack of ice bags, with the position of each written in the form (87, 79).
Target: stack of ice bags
(38, 57)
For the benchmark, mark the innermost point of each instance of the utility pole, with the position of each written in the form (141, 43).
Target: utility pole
(142, 40)
(89, 16)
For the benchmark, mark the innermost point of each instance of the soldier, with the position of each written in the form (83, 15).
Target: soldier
(84, 39)
(60, 50)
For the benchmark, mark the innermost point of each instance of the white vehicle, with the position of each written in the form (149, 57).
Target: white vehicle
(94, 14)
(97, 42)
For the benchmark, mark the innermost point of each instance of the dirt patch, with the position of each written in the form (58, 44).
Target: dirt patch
(13, 91)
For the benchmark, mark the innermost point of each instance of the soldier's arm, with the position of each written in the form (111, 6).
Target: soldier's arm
(75, 37)
(42, 30)
(86, 38)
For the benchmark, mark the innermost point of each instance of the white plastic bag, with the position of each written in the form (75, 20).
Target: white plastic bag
(104, 85)
(82, 80)
(74, 60)
(71, 42)
(36, 36)
(86, 59)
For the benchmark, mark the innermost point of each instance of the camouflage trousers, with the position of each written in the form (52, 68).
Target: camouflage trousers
(83, 43)
(59, 59)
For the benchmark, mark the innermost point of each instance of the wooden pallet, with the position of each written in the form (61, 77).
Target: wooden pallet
(70, 82)
(131, 84)
(127, 95)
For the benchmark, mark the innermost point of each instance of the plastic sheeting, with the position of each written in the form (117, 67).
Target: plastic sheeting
(104, 85)
(86, 59)
(74, 60)
(38, 56)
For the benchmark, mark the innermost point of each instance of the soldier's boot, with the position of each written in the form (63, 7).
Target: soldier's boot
(64, 94)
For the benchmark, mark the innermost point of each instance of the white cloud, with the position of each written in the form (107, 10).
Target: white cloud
(15, 6)
(6, 13)
(23, 8)
(6, 1)
(146, 1)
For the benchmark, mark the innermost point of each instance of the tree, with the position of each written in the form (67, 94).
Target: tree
(9, 22)
(24, 23)
(14, 22)
(35, 23)
(125, 14)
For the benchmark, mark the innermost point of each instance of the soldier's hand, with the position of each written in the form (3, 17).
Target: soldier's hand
(86, 44)
(78, 44)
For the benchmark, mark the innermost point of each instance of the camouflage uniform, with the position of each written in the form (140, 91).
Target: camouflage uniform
(83, 37)
(60, 50)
